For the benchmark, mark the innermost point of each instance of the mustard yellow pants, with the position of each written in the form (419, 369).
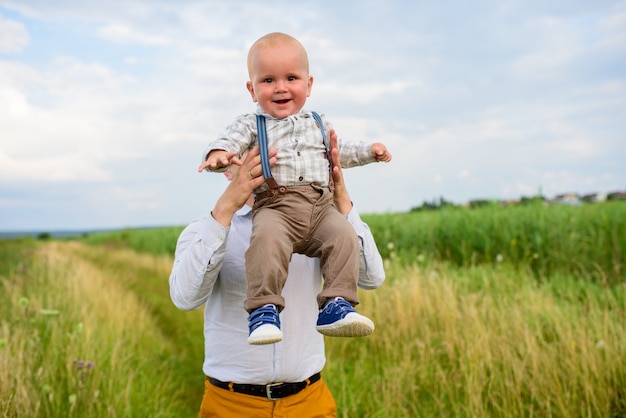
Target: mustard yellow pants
(315, 401)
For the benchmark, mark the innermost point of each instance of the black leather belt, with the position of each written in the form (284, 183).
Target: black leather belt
(271, 391)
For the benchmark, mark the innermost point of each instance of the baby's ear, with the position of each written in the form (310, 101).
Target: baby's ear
(250, 89)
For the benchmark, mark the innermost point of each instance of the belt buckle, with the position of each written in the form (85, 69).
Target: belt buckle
(268, 390)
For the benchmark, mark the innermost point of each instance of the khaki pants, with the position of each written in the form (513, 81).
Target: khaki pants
(303, 220)
(315, 401)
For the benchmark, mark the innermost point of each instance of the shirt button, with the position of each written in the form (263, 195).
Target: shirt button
(298, 153)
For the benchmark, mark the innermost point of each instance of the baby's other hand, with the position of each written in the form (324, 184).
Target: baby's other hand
(380, 152)
(219, 160)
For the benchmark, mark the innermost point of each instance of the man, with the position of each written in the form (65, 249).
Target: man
(209, 272)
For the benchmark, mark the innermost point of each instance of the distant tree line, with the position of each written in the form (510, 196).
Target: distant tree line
(567, 198)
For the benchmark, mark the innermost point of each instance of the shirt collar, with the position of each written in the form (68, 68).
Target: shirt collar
(303, 113)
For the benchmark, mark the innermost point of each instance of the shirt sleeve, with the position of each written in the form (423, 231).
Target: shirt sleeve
(198, 259)
(239, 136)
(351, 154)
(354, 154)
(371, 269)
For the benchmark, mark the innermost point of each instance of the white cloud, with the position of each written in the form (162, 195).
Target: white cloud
(13, 36)
(13, 104)
(553, 45)
(215, 62)
(613, 28)
(368, 93)
(124, 34)
(69, 167)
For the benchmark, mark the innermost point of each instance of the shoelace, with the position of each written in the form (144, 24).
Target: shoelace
(263, 315)
(343, 305)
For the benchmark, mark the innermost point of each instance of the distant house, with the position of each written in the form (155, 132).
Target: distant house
(510, 202)
(567, 199)
(621, 195)
(594, 197)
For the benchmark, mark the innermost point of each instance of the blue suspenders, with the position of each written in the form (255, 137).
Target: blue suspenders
(264, 151)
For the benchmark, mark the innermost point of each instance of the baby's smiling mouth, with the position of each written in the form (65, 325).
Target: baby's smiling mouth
(282, 101)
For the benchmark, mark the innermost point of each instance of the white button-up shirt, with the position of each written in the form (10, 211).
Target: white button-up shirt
(209, 271)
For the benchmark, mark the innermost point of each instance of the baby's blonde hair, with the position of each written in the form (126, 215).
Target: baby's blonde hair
(273, 39)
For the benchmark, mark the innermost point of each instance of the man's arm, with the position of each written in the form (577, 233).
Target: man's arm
(201, 246)
(199, 253)
(371, 270)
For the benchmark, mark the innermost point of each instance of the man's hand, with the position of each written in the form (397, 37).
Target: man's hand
(380, 152)
(219, 160)
(244, 178)
(341, 196)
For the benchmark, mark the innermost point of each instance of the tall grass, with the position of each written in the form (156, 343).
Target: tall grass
(585, 241)
(483, 342)
(75, 342)
(464, 326)
(157, 241)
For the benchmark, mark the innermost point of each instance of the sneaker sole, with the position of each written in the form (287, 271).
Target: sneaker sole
(265, 334)
(353, 325)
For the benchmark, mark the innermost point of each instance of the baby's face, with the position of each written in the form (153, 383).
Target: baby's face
(279, 79)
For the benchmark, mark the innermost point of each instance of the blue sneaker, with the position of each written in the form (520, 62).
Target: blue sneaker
(264, 325)
(339, 319)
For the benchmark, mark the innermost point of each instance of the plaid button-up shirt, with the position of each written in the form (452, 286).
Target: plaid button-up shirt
(301, 155)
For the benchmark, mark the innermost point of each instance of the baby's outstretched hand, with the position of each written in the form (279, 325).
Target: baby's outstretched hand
(380, 152)
(219, 160)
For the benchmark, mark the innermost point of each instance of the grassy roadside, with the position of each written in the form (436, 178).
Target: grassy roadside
(89, 330)
(484, 342)
(81, 338)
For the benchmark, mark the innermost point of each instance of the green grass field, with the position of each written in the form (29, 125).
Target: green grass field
(491, 312)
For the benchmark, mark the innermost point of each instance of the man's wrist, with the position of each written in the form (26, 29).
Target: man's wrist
(344, 206)
(223, 213)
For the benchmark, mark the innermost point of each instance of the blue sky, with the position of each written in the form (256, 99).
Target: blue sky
(105, 107)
